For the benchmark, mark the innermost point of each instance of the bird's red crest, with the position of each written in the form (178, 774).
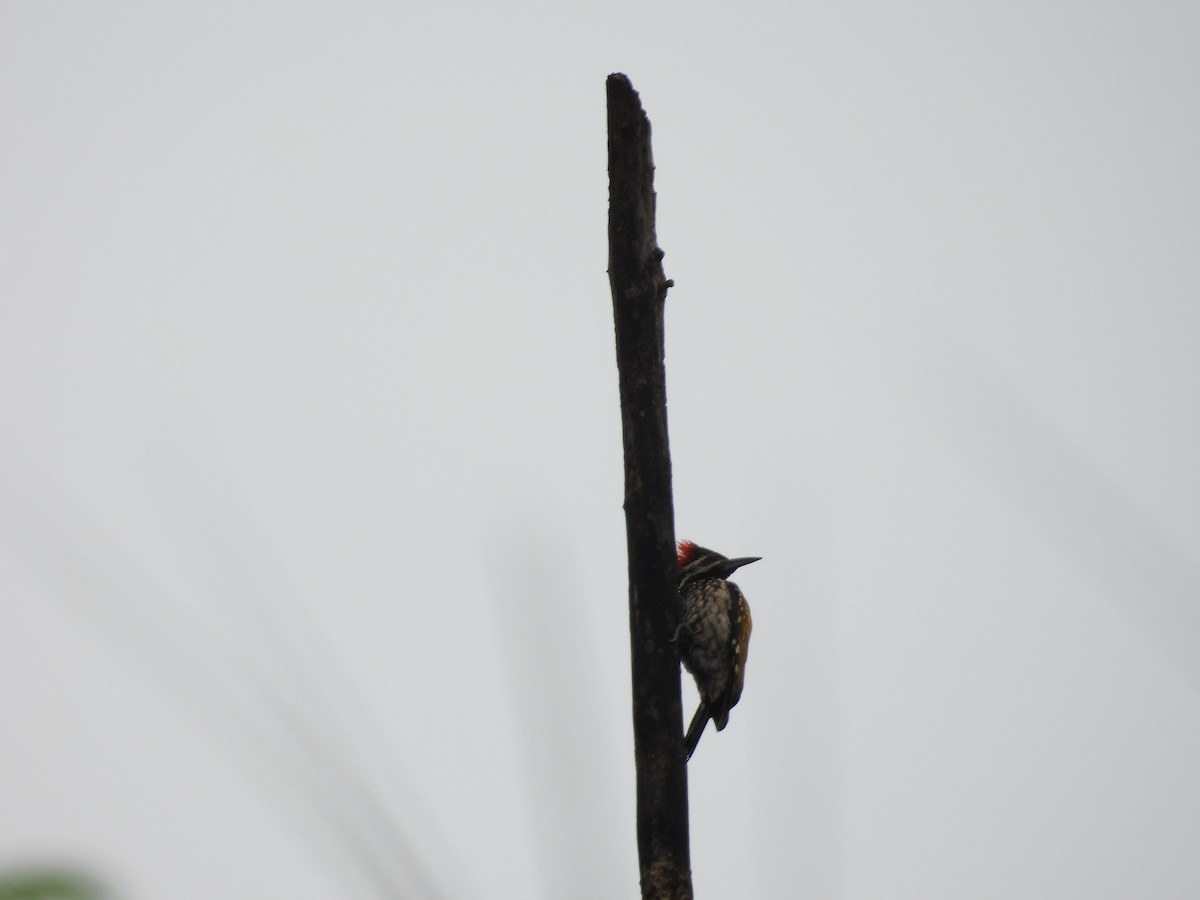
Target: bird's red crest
(686, 551)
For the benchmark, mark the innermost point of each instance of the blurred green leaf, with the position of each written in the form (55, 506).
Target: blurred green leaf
(49, 884)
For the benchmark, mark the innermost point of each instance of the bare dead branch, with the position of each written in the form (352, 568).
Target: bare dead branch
(639, 289)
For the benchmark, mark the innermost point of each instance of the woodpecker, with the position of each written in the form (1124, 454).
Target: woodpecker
(714, 633)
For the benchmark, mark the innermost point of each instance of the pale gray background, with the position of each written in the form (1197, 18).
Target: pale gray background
(311, 483)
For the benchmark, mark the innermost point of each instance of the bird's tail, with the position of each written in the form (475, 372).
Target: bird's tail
(699, 720)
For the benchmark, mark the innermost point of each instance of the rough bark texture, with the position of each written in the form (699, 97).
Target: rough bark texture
(639, 289)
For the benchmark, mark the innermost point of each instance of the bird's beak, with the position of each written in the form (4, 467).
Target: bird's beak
(739, 562)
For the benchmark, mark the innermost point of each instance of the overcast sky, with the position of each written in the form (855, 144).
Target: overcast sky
(312, 576)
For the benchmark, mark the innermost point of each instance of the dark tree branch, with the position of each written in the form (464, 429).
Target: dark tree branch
(639, 290)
